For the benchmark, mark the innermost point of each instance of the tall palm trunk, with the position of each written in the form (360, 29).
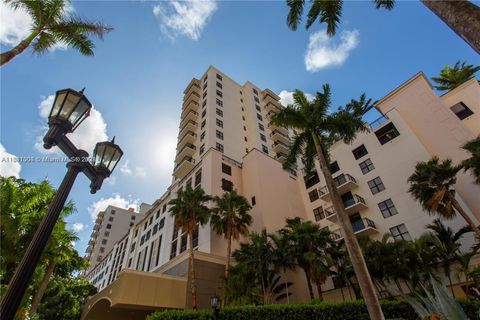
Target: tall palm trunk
(319, 289)
(449, 276)
(192, 272)
(227, 266)
(309, 283)
(42, 287)
(15, 51)
(461, 16)
(358, 262)
(462, 212)
(286, 284)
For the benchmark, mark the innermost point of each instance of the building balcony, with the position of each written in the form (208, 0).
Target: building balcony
(183, 167)
(280, 147)
(272, 105)
(191, 97)
(188, 137)
(188, 126)
(96, 226)
(362, 228)
(277, 135)
(343, 182)
(268, 92)
(193, 85)
(281, 156)
(352, 205)
(187, 151)
(379, 122)
(274, 127)
(192, 106)
(99, 219)
(190, 116)
(91, 242)
(89, 249)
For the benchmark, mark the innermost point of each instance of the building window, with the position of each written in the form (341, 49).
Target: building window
(334, 167)
(226, 169)
(183, 243)
(198, 178)
(204, 113)
(227, 185)
(245, 138)
(259, 117)
(219, 93)
(219, 123)
(258, 108)
(254, 201)
(205, 85)
(313, 195)
(264, 149)
(219, 112)
(461, 110)
(312, 180)
(202, 136)
(244, 128)
(376, 185)
(157, 214)
(202, 148)
(161, 224)
(366, 166)
(262, 137)
(155, 229)
(158, 250)
(104, 241)
(261, 127)
(203, 124)
(387, 133)
(173, 251)
(219, 135)
(400, 232)
(219, 147)
(255, 91)
(112, 212)
(219, 77)
(387, 208)
(164, 208)
(150, 221)
(219, 102)
(319, 213)
(142, 240)
(109, 226)
(219, 85)
(359, 152)
(136, 233)
(204, 104)
(256, 99)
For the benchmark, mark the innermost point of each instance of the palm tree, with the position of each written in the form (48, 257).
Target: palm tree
(452, 77)
(432, 184)
(51, 26)
(231, 219)
(473, 163)
(317, 130)
(460, 16)
(446, 245)
(283, 257)
(189, 211)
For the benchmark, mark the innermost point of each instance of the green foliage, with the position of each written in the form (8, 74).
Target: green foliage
(438, 302)
(452, 77)
(473, 162)
(301, 311)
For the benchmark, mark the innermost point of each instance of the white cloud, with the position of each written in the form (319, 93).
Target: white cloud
(128, 171)
(324, 51)
(16, 25)
(115, 200)
(286, 97)
(78, 226)
(91, 131)
(187, 18)
(8, 167)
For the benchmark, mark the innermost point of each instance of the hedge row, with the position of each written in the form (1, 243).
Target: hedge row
(322, 311)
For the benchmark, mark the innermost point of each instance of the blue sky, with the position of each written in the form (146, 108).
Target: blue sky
(138, 74)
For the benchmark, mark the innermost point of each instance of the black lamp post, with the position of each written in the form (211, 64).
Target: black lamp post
(215, 303)
(69, 110)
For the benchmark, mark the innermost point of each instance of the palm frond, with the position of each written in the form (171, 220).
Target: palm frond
(295, 14)
(386, 4)
(44, 42)
(328, 11)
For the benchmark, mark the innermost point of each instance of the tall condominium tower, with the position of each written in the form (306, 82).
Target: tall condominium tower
(226, 141)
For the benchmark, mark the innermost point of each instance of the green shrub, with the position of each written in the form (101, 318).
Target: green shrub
(299, 311)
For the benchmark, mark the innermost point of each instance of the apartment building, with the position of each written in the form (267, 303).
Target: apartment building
(226, 141)
(110, 226)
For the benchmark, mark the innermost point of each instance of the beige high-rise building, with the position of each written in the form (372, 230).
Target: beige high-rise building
(226, 141)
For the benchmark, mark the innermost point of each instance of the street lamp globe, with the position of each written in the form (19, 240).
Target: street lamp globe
(106, 156)
(69, 109)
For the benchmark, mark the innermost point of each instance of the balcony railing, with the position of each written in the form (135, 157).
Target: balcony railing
(188, 145)
(279, 143)
(186, 123)
(330, 211)
(274, 132)
(280, 155)
(189, 159)
(187, 134)
(193, 93)
(338, 181)
(362, 224)
(353, 201)
(379, 122)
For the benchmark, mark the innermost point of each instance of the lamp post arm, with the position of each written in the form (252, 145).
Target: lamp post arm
(23, 274)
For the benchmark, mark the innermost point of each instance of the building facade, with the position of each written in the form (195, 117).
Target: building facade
(226, 141)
